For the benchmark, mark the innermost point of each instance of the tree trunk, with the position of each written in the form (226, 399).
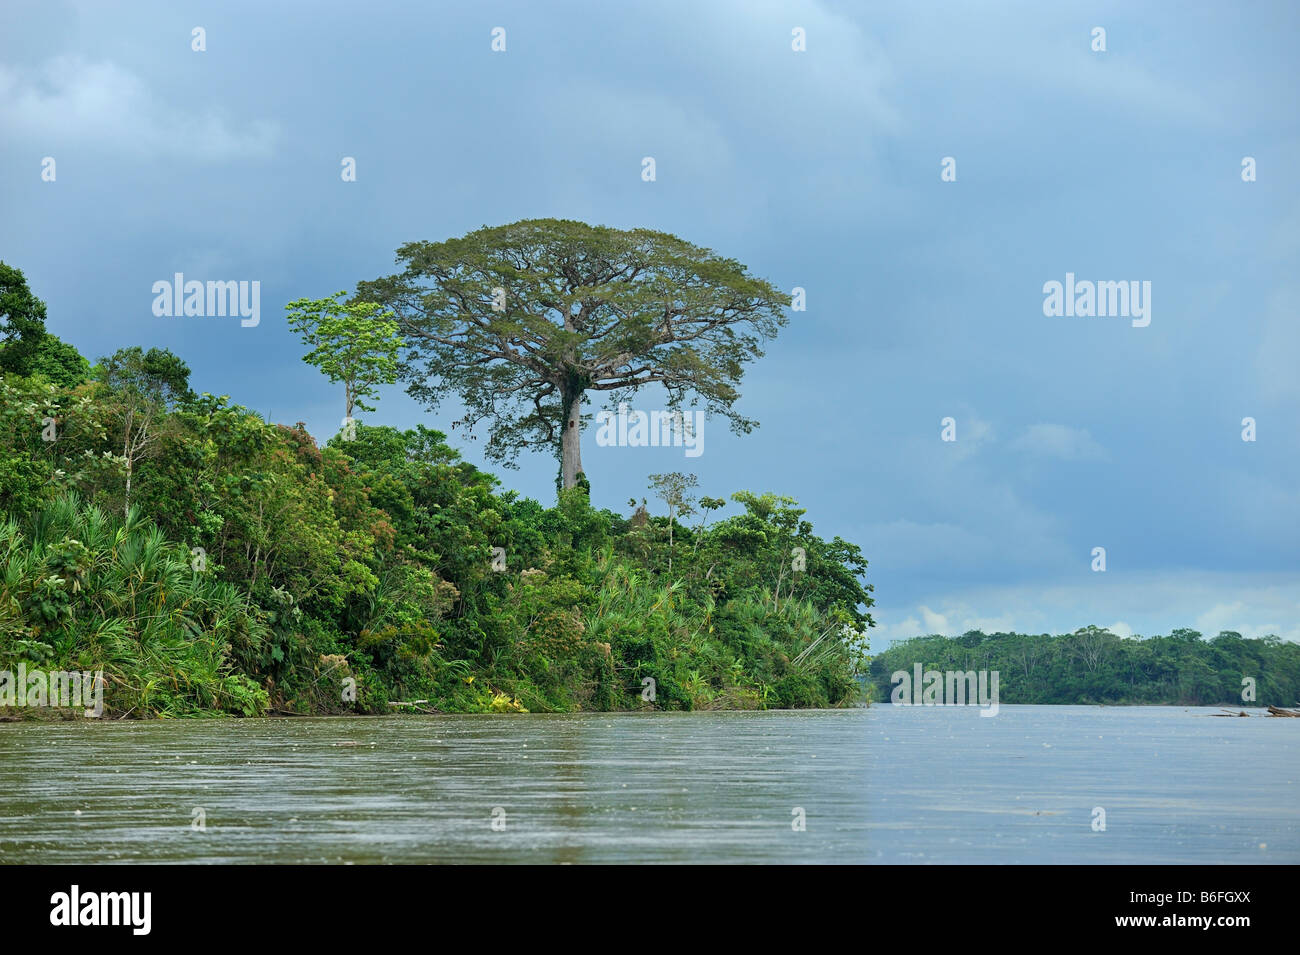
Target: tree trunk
(670, 538)
(571, 440)
(126, 453)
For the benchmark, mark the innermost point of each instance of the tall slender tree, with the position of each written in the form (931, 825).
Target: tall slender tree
(677, 491)
(353, 343)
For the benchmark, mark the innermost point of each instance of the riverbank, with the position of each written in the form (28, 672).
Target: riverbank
(394, 571)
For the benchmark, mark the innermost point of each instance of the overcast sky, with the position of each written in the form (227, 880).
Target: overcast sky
(819, 169)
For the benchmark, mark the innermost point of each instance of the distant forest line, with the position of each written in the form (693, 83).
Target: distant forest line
(1093, 665)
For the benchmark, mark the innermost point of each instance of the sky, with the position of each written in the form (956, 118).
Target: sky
(822, 168)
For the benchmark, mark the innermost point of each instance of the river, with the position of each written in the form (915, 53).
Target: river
(886, 784)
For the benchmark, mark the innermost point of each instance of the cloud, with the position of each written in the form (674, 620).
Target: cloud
(1050, 52)
(978, 432)
(1151, 603)
(1060, 441)
(842, 85)
(1237, 616)
(71, 101)
(970, 434)
(935, 622)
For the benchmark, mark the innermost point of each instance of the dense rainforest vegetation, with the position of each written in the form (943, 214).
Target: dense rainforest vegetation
(1093, 665)
(209, 561)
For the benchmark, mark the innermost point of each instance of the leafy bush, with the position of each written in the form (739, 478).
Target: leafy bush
(84, 590)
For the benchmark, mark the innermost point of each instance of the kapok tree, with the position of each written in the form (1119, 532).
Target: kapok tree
(522, 321)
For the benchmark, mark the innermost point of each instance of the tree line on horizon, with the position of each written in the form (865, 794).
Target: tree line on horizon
(1093, 665)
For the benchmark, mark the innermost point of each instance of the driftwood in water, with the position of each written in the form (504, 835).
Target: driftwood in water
(1278, 711)
(1227, 712)
(414, 704)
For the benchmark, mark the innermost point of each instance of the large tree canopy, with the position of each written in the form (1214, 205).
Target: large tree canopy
(22, 320)
(521, 321)
(156, 377)
(145, 385)
(26, 348)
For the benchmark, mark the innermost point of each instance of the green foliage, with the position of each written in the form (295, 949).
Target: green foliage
(353, 343)
(248, 569)
(1093, 665)
(155, 377)
(57, 362)
(22, 322)
(140, 387)
(83, 590)
(52, 440)
(27, 348)
(520, 321)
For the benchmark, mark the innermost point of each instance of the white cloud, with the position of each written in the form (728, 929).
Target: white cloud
(75, 102)
(1237, 616)
(1059, 441)
(1260, 605)
(935, 622)
(972, 433)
